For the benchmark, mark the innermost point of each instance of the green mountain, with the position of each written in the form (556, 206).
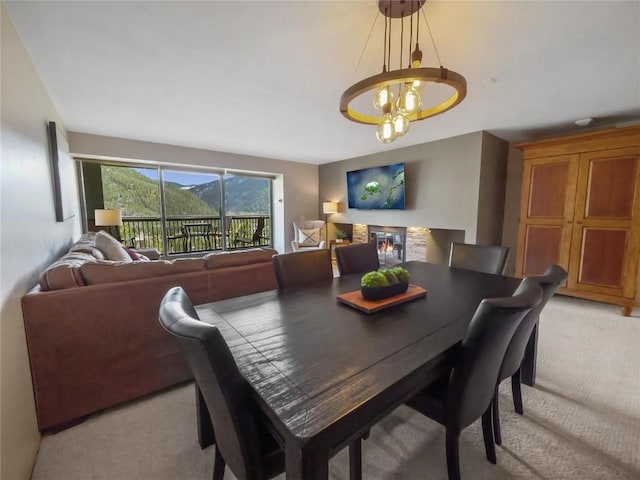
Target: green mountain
(244, 195)
(138, 196)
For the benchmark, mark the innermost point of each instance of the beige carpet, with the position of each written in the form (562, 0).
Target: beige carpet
(582, 421)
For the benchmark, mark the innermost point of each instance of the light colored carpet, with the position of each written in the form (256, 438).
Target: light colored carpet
(582, 421)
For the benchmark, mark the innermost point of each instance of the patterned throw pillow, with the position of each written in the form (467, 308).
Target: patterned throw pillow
(309, 238)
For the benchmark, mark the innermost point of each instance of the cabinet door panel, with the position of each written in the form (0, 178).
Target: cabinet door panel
(611, 188)
(602, 256)
(541, 248)
(546, 213)
(549, 182)
(604, 236)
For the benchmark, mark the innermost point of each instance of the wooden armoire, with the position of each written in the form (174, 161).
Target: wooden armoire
(580, 208)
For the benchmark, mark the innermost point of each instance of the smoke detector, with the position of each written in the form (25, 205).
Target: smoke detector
(584, 122)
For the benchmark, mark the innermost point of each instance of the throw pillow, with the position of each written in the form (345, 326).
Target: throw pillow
(111, 248)
(132, 253)
(309, 238)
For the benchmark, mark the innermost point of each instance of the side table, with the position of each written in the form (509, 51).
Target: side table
(335, 243)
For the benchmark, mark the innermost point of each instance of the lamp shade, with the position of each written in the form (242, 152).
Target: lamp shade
(329, 207)
(107, 217)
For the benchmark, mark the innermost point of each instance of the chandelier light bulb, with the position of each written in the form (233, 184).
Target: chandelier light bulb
(382, 97)
(386, 132)
(409, 101)
(416, 62)
(400, 124)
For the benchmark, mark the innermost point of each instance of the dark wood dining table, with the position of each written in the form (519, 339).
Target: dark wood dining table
(323, 373)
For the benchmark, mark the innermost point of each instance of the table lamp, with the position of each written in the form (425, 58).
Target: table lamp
(108, 218)
(328, 208)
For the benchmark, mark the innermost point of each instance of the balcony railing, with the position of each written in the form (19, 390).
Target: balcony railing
(187, 234)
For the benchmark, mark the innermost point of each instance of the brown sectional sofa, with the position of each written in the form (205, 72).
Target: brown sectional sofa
(92, 325)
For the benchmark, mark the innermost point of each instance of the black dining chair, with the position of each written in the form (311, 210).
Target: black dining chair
(549, 281)
(302, 268)
(242, 439)
(357, 258)
(481, 258)
(464, 394)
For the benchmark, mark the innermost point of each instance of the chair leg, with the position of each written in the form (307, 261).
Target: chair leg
(355, 460)
(489, 447)
(453, 457)
(495, 415)
(218, 466)
(517, 392)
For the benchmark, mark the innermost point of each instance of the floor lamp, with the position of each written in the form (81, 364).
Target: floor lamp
(109, 218)
(328, 208)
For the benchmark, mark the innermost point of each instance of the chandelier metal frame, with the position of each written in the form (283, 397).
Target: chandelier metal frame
(398, 9)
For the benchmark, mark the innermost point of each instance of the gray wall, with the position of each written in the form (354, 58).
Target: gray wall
(512, 206)
(295, 189)
(452, 184)
(493, 174)
(30, 238)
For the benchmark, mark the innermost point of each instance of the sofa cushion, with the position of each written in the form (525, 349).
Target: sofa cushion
(103, 271)
(65, 273)
(185, 265)
(240, 257)
(108, 272)
(112, 248)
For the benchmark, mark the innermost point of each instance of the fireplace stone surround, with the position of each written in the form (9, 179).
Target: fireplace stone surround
(421, 243)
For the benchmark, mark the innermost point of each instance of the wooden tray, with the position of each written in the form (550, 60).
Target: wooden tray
(354, 299)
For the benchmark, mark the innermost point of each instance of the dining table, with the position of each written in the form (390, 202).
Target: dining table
(323, 373)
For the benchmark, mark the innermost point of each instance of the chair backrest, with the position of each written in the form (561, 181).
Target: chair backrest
(302, 268)
(475, 373)
(481, 258)
(356, 258)
(223, 387)
(549, 281)
(257, 234)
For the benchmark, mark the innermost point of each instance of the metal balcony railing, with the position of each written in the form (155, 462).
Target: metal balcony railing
(187, 234)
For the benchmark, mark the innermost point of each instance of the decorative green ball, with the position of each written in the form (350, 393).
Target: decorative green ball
(373, 280)
(402, 274)
(390, 275)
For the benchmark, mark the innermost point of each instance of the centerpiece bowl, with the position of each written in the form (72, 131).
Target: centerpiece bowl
(384, 283)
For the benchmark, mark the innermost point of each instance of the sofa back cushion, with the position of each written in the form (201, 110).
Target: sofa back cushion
(239, 257)
(65, 273)
(108, 272)
(103, 271)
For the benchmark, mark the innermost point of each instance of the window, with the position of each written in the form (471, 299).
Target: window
(181, 211)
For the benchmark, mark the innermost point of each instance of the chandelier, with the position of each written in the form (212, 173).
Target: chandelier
(397, 94)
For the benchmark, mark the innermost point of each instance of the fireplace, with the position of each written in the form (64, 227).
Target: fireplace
(391, 243)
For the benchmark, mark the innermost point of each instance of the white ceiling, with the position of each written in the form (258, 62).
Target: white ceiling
(265, 77)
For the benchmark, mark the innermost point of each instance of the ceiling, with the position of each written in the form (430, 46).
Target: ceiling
(264, 78)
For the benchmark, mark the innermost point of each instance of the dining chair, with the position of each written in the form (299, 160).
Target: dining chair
(549, 281)
(464, 394)
(302, 268)
(481, 258)
(356, 258)
(242, 439)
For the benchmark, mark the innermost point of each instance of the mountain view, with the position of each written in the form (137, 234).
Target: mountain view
(138, 195)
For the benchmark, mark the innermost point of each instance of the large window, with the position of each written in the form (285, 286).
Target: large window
(181, 211)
